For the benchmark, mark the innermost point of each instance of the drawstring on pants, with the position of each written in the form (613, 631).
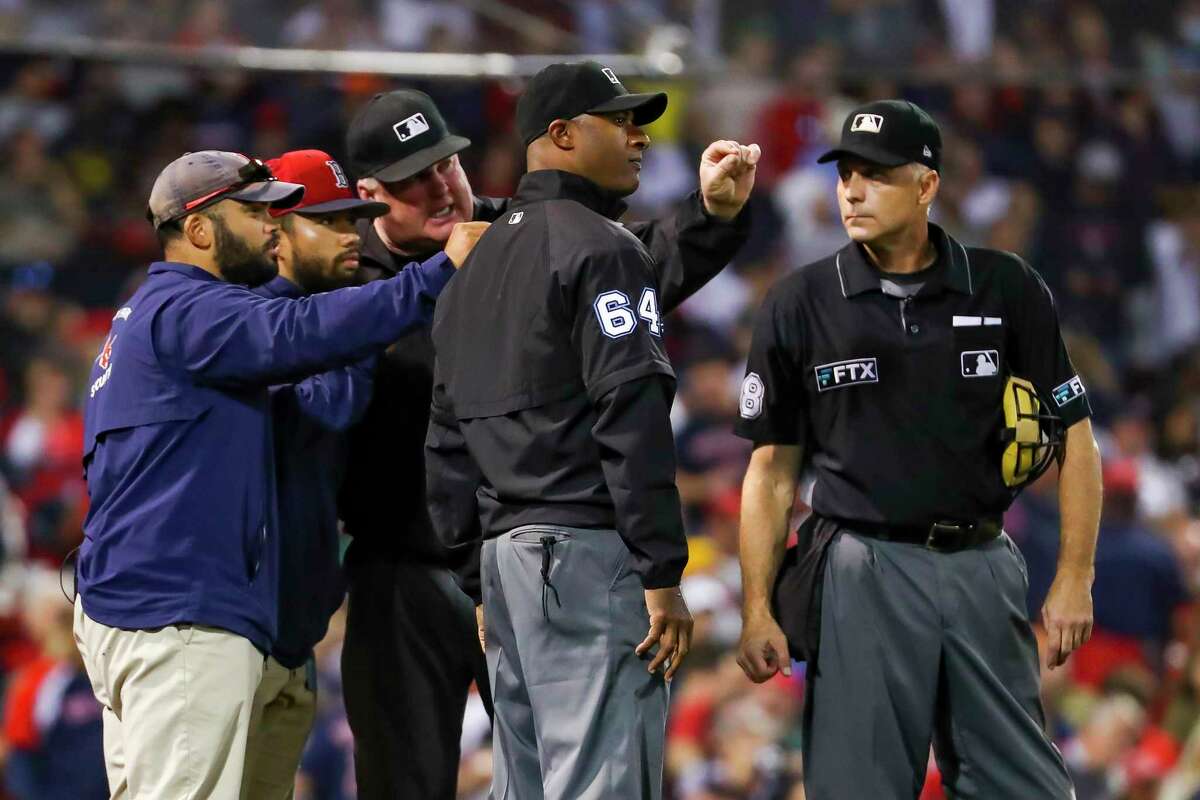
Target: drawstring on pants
(74, 576)
(548, 543)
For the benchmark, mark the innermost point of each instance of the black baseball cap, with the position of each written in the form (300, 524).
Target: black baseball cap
(564, 91)
(891, 133)
(398, 134)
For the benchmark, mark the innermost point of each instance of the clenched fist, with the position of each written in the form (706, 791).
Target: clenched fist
(727, 171)
(462, 241)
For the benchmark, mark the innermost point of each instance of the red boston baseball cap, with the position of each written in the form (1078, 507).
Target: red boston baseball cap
(326, 187)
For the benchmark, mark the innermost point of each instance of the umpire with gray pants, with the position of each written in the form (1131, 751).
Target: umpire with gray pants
(883, 370)
(550, 439)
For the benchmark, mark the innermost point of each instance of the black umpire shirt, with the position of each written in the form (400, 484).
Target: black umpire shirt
(552, 390)
(382, 501)
(895, 396)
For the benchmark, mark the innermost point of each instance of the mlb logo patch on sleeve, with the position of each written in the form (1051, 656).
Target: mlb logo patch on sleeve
(1068, 391)
(980, 363)
(846, 373)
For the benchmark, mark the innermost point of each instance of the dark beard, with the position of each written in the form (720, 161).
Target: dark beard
(312, 276)
(238, 262)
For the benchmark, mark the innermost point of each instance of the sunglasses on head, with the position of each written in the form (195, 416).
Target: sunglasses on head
(253, 171)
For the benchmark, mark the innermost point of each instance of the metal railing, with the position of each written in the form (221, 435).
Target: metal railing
(379, 62)
(662, 63)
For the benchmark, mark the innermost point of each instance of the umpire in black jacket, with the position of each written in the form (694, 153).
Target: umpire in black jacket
(411, 649)
(550, 438)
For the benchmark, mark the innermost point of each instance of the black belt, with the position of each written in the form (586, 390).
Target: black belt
(944, 537)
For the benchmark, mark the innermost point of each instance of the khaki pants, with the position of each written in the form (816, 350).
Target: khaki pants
(285, 707)
(177, 704)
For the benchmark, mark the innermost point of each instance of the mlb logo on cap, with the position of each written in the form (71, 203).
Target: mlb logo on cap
(867, 123)
(909, 135)
(612, 76)
(412, 126)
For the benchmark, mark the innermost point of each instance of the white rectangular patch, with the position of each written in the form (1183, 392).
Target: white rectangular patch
(846, 373)
(516, 217)
(966, 322)
(412, 126)
(866, 123)
(991, 320)
(980, 363)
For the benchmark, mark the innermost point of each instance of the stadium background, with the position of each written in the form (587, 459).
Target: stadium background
(1072, 137)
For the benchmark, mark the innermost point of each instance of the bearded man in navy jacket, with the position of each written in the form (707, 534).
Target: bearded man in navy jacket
(177, 574)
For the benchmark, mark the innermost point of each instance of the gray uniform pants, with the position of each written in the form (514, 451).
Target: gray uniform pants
(578, 717)
(919, 645)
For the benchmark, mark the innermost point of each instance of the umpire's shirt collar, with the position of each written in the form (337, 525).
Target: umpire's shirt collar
(951, 271)
(553, 184)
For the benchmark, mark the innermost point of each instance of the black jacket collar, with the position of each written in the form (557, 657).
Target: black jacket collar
(553, 184)
(953, 270)
(382, 262)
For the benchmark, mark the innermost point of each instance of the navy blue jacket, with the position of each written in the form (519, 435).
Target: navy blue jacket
(310, 419)
(178, 448)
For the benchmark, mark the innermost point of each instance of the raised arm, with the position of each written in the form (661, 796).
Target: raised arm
(334, 400)
(696, 242)
(226, 335)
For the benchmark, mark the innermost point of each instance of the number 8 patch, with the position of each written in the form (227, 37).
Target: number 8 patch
(750, 405)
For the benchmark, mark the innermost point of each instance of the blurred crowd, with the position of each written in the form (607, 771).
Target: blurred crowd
(1102, 34)
(1072, 138)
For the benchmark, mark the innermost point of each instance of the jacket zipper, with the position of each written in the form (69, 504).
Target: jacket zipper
(903, 320)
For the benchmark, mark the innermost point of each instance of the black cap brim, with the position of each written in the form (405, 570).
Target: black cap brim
(866, 152)
(645, 107)
(422, 159)
(280, 194)
(363, 209)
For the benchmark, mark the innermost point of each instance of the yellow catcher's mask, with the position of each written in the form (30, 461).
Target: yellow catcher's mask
(1031, 438)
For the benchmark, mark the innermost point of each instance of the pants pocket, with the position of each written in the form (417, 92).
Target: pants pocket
(1018, 558)
(622, 568)
(555, 587)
